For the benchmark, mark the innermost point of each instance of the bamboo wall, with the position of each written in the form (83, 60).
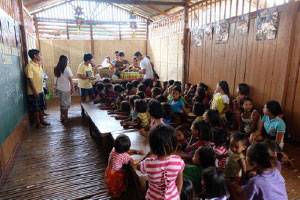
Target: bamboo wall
(166, 54)
(75, 49)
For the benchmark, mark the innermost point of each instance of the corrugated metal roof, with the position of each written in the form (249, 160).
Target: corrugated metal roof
(143, 10)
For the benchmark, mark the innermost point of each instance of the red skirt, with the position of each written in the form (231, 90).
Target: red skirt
(116, 182)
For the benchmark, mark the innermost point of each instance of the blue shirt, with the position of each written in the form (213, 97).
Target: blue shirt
(273, 126)
(176, 105)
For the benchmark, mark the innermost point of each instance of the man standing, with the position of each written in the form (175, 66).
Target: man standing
(145, 65)
(36, 97)
(121, 64)
(85, 78)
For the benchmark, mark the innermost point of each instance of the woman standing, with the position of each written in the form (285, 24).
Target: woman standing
(64, 86)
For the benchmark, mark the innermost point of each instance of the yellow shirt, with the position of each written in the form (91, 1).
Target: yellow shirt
(144, 119)
(219, 102)
(34, 71)
(86, 71)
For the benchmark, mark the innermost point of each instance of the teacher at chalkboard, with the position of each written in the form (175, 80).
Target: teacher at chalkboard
(36, 97)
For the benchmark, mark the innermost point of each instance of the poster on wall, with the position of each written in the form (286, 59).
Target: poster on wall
(208, 32)
(242, 25)
(197, 36)
(267, 24)
(222, 32)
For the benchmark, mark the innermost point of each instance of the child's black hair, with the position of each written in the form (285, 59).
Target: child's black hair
(242, 101)
(148, 83)
(141, 87)
(189, 85)
(117, 88)
(207, 156)
(140, 105)
(155, 92)
(167, 110)
(224, 86)
(100, 87)
(215, 182)
(185, 132)
(200, 94)
(239, 137)
(177, 88)
(155, 109)
(198, 109)
(107, 87)
(129, 86)
(165, 83)
(125, 106)
(261, 154)
(244, 89)
(162, 98)
(177, 83)
(214, 117)
(220, 136)
(135, 83)
(274, 108)
(122, 144)
(141, 94)
(32, 53)
(187, 191)
(202, 85)
(171, 82)
(162, 140)
(275, 148)
(106, 81)
(203, 128)
(132, 98)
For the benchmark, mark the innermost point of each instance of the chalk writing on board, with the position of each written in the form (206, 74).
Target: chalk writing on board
(6, 60)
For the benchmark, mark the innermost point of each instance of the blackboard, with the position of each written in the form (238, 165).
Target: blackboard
(12, 92)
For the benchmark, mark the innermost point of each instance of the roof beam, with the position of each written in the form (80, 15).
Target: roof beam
(157, 10)
(34, 3)
(139, 2)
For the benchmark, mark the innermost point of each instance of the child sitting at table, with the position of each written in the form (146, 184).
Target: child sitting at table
(164, 170)
(129, 90)
(204, 157)
(140, 106)
(100, 90)
(156, 115)
(114, 176)
(123, 112)
(141, 94)
(135, 84)
(214, 184)
(133, 113)
(200, 133)
(108, 97)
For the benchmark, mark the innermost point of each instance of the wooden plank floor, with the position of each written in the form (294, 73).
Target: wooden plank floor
(60, 162)
(64, 162)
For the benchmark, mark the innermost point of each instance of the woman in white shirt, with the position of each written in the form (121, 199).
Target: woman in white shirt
(64, 86)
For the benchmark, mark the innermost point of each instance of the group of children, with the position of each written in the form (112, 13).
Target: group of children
(223, 153)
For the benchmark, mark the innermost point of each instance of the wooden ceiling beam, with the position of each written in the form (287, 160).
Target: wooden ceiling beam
(157, 10)
(34, 3)
(140, 2)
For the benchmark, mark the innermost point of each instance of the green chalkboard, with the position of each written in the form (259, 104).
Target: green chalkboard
(12, 92)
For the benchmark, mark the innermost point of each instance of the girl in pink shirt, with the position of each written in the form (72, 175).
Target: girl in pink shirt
(164, 170)
(114, 175)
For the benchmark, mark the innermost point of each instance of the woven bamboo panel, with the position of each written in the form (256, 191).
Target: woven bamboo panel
(60, 47)
(47, 52)
(76, 52)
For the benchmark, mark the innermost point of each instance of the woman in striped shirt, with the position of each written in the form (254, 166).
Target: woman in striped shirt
(164, 170)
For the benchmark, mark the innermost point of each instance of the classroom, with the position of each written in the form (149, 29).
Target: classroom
(150, 99)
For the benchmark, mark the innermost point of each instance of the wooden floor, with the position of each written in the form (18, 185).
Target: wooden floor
(64, 162)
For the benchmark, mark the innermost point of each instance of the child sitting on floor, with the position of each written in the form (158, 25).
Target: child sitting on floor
(200, 132)
(164, 170)
(182, 137)
(242, 91)
(199, 110)
(115, 176)
(129, 90)
(167, 113)
(268, 183)
(220, 146)
(187, 192)
(161, 98)
(235, 166)
(204, 157)
(214, 184)
(213, 118)
(221, 99)
(177, 104)
(108, 97)
(155, 92)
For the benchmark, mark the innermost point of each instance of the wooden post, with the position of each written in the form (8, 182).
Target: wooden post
(147, 36)
(185, 41)
(23, 34)
(92, 39)
(68, 34)
(37, 32)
